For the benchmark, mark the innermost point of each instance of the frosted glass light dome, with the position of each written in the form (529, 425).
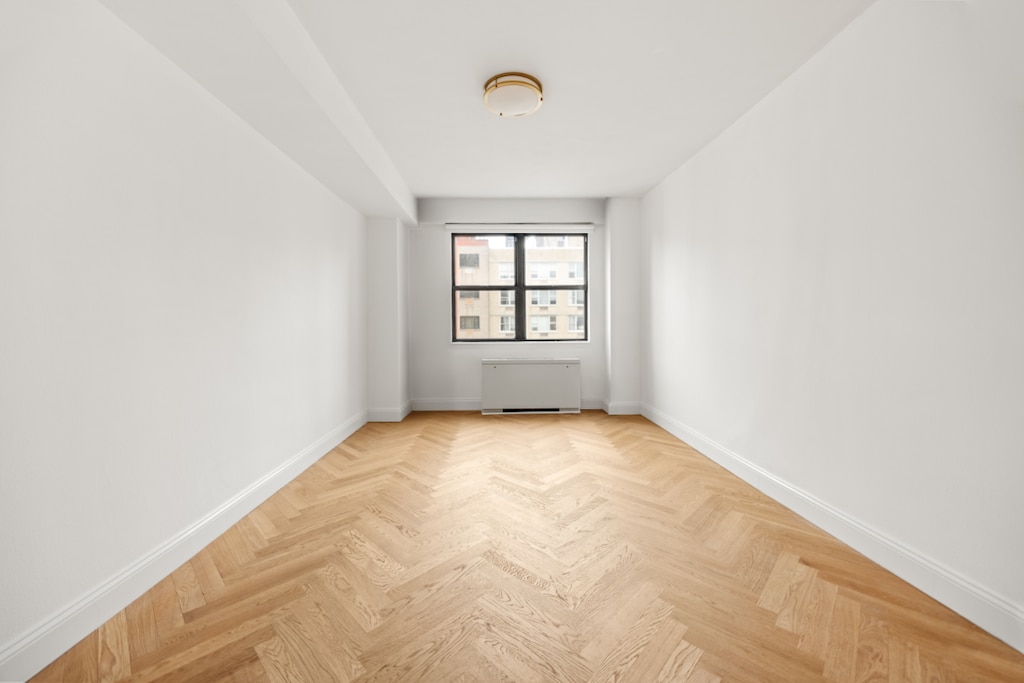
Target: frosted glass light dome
(513, 94)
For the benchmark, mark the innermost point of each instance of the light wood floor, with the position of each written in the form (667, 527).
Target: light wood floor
(458, 547)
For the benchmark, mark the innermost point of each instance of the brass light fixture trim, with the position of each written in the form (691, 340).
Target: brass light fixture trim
(513, 93)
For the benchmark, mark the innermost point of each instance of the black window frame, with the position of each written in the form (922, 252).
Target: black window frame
(521, 289)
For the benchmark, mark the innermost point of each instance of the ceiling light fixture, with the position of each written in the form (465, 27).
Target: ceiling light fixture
(513, 94)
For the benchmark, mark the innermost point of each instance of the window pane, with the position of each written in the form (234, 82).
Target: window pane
(555, 260)
(484, 260)
(471, 315)
(551, 315)
(498, 303)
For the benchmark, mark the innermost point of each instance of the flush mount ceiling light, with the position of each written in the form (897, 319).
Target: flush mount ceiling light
(513, 94)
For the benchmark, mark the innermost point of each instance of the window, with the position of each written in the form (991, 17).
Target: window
(543, 323)
(543, 271)
(509, 287)
(547, 241)
(543, 297)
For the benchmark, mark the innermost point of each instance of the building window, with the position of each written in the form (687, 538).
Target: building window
(543, 297)
(526, 275)
(543, 271)
(544, 323)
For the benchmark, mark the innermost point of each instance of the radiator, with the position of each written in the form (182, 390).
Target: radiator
(538, 385)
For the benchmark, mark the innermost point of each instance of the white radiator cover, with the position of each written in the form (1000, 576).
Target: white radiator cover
(530, 385)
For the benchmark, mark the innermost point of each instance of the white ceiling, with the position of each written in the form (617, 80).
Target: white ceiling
(391, 90)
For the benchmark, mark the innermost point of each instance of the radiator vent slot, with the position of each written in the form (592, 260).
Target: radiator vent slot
(536, 385)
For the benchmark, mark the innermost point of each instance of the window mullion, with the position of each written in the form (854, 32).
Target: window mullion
(520, 287)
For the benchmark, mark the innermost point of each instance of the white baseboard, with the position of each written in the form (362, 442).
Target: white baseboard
(32, 651)
(995, 613)
(621, 408)
(444, 404)
(389, 414)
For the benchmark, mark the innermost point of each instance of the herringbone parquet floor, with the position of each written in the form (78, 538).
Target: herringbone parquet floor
(458, 547)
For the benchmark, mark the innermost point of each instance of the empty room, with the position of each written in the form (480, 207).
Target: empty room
(451, 340)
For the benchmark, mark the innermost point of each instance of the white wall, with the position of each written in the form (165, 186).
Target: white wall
(445, 375)
(387, 364)
(833, 299)
(622, 294)
(182, 322)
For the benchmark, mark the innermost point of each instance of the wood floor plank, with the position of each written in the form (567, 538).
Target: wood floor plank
(210, 581)
(813, 622)
(541, 648)
(143, 634)
(186, 585)
(461, 547)
(668, 656)
(211, 660)
(318, 662)
(82, 661)
(620, 659)
(114, 655)
(166, 608)
(249, 671)
(872, 651)
(841, 657)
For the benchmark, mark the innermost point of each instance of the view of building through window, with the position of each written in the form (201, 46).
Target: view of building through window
(519, 287)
